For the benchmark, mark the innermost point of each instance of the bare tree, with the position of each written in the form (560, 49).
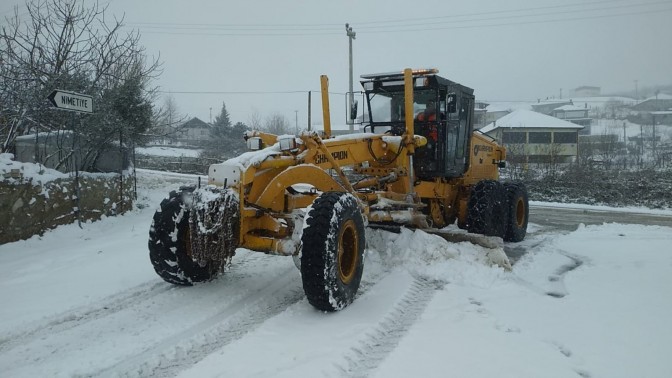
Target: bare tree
(550, 159)
(516, 161)
(72, 46)
(167, 120)
(254, 120)
(277, 124)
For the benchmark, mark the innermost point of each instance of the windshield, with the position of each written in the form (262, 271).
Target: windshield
(388, 106)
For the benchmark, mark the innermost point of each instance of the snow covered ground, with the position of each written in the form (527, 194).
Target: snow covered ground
(594, 302)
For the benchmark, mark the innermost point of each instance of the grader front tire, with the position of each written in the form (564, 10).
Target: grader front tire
(170, 244)
(332, 257)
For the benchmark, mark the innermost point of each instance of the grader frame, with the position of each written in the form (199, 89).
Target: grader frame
(310, 196)
(267, 200)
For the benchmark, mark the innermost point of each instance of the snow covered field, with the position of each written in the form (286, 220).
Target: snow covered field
(167, 151)
(594, 302)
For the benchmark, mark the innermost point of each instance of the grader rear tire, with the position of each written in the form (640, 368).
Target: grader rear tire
(332, 257)
(170, 244)
(518, 212)
(487, 209)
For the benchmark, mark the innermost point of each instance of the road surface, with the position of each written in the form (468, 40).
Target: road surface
(87, 303)
(568, 219)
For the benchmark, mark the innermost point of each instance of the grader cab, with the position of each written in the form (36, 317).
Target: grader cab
(418, 164)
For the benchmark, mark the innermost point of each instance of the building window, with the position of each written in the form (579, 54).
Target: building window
(514, 137)
(540, 137)
(575, 114)
(565, 137)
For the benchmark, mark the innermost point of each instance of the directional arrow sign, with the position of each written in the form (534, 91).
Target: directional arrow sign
(71, 101)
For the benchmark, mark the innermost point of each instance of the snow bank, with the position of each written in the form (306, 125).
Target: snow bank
(16, 171)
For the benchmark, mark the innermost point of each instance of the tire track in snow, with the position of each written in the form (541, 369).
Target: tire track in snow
(383, 339)
(554, 286)
(169, 361)
(182, 350)
(236, 328)
(558, 278)
(104, 307)
(85, 314)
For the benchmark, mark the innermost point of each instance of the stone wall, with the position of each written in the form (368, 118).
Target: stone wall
(29, 209)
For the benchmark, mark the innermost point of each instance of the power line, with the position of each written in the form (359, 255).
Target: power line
(241, 34)
(571, 5)
(402, 30)
(380, 27)
(245, 92)
(331, 26)
(534, 15)
(667, 2)
(520, 22)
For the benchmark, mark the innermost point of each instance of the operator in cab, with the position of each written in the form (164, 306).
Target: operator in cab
(429, 114)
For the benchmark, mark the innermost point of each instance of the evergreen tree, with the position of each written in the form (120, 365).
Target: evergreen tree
(226, 140)
(221, 128)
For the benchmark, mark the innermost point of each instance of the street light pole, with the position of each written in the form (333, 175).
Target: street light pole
(351, 35)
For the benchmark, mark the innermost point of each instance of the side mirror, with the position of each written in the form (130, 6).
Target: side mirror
(353, 110)
(451, 103)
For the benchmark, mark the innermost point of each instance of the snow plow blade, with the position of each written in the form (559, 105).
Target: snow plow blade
(495, 254)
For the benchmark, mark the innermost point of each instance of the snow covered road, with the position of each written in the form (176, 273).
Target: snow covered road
(586, 302)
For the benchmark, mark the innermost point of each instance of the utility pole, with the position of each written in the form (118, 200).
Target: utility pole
(351, 35)
(296, 120)
(654, 128)
(636, 90)
(309, 111)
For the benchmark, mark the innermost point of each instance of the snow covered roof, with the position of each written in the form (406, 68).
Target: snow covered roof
(661, 96)
(601, 101)
(500, 106)
(195, 123)
(569, 108)
(529, 119)
(552, 101)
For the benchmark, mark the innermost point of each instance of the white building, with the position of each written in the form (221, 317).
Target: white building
(536, 137)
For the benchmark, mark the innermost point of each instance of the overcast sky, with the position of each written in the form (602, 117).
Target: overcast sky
(505, 50)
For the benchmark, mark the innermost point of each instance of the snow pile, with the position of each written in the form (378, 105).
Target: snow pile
(35, 173)
(432, 257)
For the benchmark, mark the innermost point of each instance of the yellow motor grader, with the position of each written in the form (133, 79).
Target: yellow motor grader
(418, 163)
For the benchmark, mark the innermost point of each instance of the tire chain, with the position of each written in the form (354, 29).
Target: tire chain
(489, 199)
(214, 224)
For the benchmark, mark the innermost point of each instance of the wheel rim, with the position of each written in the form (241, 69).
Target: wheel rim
(348, 247)
(187, 242)
(520, 212)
